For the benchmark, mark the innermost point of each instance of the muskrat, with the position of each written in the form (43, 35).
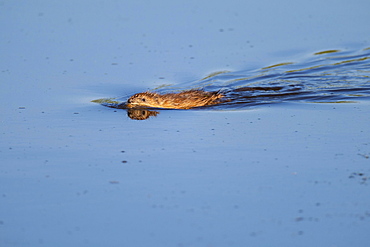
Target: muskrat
(183, 100)
(188, 99)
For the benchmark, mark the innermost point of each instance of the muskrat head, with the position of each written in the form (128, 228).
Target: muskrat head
(146, 99)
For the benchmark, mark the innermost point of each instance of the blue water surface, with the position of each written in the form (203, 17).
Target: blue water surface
(260, 170)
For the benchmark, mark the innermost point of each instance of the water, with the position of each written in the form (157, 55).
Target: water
(268, 168)
(335, 76)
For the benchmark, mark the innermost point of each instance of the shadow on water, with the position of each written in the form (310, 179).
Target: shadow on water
(333, 76)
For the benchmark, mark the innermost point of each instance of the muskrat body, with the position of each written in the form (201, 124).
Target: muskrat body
(183, 100)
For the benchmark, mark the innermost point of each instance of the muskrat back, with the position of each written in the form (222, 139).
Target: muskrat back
(183, 100)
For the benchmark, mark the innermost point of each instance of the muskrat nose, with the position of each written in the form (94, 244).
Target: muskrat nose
(130, 100)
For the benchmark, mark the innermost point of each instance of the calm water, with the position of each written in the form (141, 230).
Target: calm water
(327, 76)
(266, 168)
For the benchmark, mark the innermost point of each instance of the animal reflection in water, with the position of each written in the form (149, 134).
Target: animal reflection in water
(141, 114)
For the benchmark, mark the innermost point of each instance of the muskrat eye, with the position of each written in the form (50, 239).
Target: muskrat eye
(143, 99)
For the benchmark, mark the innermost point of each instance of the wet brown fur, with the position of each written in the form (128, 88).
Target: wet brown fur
(183, 100)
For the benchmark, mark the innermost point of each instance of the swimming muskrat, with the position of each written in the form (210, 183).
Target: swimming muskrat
(183, 100)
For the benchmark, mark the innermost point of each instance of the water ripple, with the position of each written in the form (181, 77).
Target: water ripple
(325, 76)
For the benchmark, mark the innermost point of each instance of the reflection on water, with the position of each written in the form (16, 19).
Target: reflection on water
(141, 114)
(326, 76)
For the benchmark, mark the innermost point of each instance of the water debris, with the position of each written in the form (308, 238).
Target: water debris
(361, 177)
